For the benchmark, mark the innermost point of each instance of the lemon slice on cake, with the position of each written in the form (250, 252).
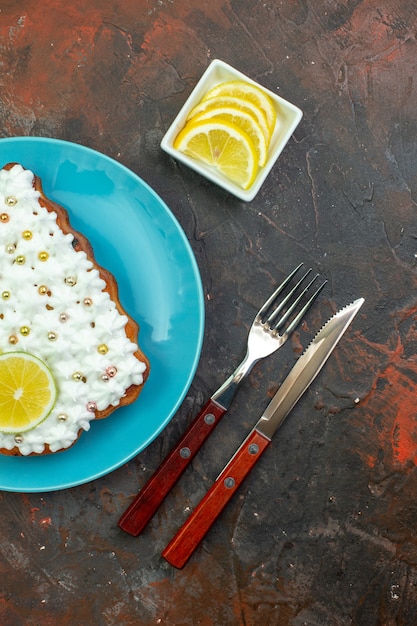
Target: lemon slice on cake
(222, 145)
(27, 392)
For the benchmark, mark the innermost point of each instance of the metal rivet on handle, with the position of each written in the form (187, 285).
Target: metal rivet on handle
(185, 453)
(229, 482)
(209, 418)
(253, 448)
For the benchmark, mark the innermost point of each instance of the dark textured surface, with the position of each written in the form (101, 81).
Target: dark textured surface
(324, 530)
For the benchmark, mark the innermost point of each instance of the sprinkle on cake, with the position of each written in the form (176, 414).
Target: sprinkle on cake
(58, 305)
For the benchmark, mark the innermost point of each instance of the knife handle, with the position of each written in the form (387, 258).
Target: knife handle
(182, 546)
(154, 492)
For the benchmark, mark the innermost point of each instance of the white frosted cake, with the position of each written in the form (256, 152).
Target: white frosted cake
(58, 305)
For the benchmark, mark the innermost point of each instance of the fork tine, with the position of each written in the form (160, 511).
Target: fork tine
(288, 297)
(264, 308)
(291, 327)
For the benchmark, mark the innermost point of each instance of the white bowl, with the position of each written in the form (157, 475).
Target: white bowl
(288, 118)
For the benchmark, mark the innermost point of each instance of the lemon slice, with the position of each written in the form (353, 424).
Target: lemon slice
(244, 121)
(246, 106)
(247, 92)
(223, 145)
(27, 392)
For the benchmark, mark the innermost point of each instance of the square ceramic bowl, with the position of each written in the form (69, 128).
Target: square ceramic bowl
(288, 118)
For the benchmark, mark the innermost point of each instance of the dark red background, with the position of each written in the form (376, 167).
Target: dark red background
(324, 530)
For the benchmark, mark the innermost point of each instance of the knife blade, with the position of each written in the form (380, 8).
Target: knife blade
(183, 544)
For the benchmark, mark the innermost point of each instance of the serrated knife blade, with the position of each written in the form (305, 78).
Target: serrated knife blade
(306, 369)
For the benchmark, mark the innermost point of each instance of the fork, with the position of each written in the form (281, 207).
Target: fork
(267, 334)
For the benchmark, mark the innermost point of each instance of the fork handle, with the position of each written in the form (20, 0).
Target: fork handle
(154, 492)
(182, 546)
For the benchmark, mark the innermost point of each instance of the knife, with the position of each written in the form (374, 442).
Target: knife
(182, 546)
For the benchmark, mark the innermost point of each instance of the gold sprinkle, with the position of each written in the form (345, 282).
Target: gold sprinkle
(20, 260)
(13, 339)
(43, 256)
(5, 295)
(52, 336)
(11, 200)
(62, 417)
(10, 248)
(43, 290)
(71, 281)
(24, 330)
(88, 302)
(102, 349)
(18, 439)
(4, 217)
(27, 234)
(77, 376)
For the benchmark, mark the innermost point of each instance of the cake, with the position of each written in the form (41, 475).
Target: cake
(59, 305)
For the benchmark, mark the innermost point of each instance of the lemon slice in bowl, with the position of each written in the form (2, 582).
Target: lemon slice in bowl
(27, 392)
(246, 92)
(245, 121)
(222, 145)
(246, 106)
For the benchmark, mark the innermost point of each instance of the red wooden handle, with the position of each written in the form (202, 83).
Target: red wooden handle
(154, 492)
(182, 546)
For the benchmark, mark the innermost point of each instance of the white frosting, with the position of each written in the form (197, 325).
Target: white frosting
(80, 316)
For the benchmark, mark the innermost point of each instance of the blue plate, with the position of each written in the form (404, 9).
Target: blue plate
(137, 238)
